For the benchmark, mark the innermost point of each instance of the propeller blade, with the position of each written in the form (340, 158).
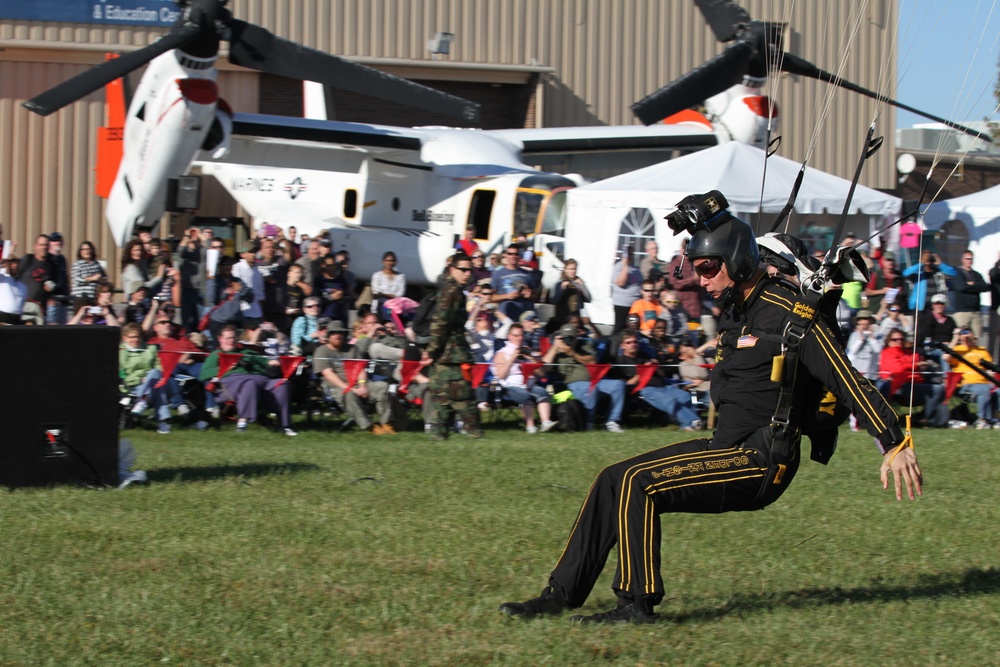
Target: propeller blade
(721, 72)
(98, 76)
(254, 47)
(723, 17)
(795, 65)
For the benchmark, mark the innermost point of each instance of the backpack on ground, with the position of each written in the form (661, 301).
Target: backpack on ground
(570, 416)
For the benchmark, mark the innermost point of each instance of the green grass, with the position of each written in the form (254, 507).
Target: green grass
(334, 549)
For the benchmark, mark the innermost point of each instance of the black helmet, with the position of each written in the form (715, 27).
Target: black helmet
(730, 239)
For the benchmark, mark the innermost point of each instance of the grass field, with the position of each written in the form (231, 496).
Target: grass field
(332, 549)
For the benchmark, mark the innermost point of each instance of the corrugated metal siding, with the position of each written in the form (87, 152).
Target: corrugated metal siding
(607, 54)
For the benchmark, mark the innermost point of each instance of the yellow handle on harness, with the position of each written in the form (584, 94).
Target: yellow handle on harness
(907, 441)
(777, 368)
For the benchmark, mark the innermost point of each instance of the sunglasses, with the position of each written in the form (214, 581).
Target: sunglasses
(673, 300)
(465, 269)
(895, 340)
(708, 269)
(514, 254)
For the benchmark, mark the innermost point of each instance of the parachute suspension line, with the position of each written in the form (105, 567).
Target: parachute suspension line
(958, 163)
(854, 23)
(939, 150)
(854, 27)
(775, 59)
(963, 96)
(916, 325)
(885, 87)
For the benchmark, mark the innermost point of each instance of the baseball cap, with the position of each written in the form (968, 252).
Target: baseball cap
(864, 315)
(528, 315)
(939, 298)
(55, 236)
(964, 332)
(567, 331)
(336, 326)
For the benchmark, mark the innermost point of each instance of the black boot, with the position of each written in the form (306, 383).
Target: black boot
(622, 614)
(549, 603)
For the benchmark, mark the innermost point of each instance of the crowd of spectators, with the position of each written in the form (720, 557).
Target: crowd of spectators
(281, 296)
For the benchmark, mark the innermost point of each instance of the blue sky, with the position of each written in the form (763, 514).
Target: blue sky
(947, 64)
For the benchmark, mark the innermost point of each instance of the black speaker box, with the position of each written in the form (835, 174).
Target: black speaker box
(59, 397)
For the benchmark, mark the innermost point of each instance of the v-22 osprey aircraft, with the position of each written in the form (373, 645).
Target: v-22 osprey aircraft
(411, 190)
(378, 188)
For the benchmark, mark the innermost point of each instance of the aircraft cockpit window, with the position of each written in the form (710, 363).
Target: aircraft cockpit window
(350, 203)
(554, 218)
(526, 209)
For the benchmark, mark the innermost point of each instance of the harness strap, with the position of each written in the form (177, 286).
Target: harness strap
(802, 318)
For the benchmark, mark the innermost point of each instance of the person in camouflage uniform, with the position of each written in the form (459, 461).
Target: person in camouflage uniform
(449, 351)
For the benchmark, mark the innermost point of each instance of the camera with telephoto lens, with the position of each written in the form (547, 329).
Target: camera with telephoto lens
(695, 211)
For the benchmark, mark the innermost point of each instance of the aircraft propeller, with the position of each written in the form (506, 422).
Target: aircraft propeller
(204, 23)
(755, 43)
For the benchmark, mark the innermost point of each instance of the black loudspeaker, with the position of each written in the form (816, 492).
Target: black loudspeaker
(59, 396)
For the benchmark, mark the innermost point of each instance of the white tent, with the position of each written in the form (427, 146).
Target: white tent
(979, 214)
(608, 214)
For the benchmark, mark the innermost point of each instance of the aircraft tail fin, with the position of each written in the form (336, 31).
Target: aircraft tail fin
(110, 137)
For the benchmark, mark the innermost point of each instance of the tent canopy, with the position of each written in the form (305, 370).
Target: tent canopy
(603, 217)
(736, 170)
(979, 212)
(976, 209)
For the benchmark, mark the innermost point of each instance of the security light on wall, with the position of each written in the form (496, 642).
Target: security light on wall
(440, 43)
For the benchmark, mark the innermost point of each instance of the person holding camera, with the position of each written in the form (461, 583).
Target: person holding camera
(568, 296)
(506, 368)
(513, 285)
(864, 345)
(192, 255)
(625, 285)
(928, 278)
(753, 454)
(902, 373)
(567, 361)
(973, 387)
(97, 311)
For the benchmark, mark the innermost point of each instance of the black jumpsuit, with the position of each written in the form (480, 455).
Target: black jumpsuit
(734, 471)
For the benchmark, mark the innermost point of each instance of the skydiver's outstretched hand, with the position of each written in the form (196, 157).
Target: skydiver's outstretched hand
(904, 467)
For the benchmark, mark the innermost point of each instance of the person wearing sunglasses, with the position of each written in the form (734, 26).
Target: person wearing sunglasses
(747, 463)
(647, 306)
(900, 367)
(513, 285)
(451, 355)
